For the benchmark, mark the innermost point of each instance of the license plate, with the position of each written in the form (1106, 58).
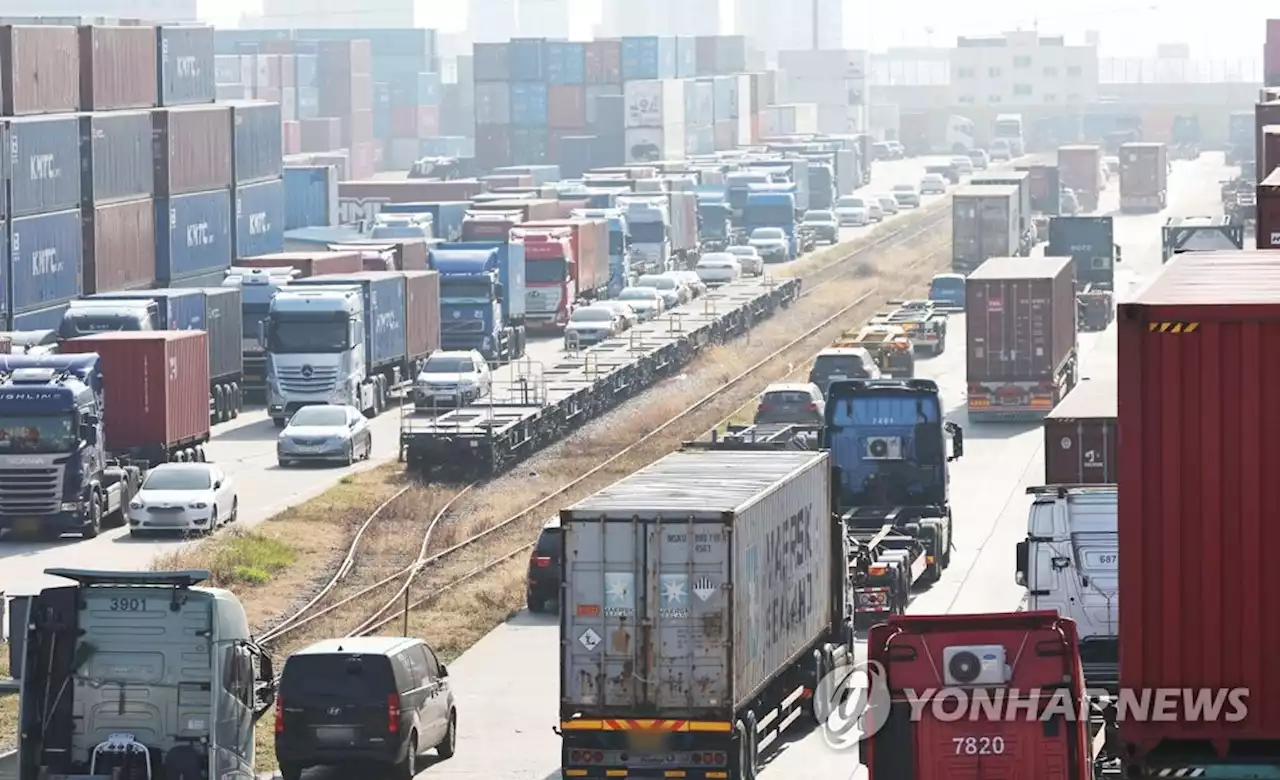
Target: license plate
(335, 733)
(306, 447)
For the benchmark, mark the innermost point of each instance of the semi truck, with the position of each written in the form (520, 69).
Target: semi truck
(663, 228)
(482, 298)
(1144, 177)
(984, 224)
(1090, 243)
(1020, 317)
(555, 279)
(1080, 170)
(1019, 179)
(1200, 234)
(71, 461)
(773, 206)
(620, 271)
(1008, 131)
(791, 171)
(1046, 188)
(738, 185)
(354, 339)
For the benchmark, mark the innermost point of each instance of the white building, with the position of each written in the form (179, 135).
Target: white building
(492, 21)
(336, 14)
(772, 26)
(1022, 69)
(660, 17)
(542, 18)
(835, 80)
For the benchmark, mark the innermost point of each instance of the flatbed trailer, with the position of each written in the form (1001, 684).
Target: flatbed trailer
(924, 322)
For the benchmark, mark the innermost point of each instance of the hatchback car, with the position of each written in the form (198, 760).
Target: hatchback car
(718, 268)
(543, 583)
(325, 433)
(907, 195)
(591, 325)
(452, 378)
(646, 302)
(380, 701)
(183, 497)
(933, 184)
(799, 403)
(888, 204)
(672, 291)
(836, 363)
(824, 224)
(750, 260)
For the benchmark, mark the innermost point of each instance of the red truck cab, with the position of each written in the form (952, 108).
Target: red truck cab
(550, 275)
(1030, 657)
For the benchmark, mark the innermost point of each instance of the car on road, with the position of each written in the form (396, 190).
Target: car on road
(978, 160)
(888, 203)
(907, 195)
(772, 244)
(836, 363)
(799, 403)
(750, 260)
(824, 224)
(325, 433)
(542, 585)
(454, 377)
(380, 702)
(690, 281)
(1000, 150)
(185, 498)
(646, 302)
(853, 211)
(591, 325)
(933, 184)
(672, 290)
(886, 150)
(629, 316)
(717, 268)
(948, 291)
(962, 164)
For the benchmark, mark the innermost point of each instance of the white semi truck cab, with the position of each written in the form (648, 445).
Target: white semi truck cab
(649, 222)
(315, 346)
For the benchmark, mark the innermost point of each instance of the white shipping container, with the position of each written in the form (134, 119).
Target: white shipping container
(226, 69)
(493, 103)
(740, 103)
(262, 69)
(837, 119)
(823, 89)
(737, 540)
(789, 119)
(654, 103)
(651, 144)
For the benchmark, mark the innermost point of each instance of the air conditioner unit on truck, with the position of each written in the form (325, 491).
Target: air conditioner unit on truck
(72, 462)
(704, 600)
(1090, 243)
(136, 675)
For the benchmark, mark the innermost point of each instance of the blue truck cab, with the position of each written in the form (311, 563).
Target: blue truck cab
(772, 205)
(738, 185)
(482, 297)
(619, 240)
(257, 287)
(446, 216)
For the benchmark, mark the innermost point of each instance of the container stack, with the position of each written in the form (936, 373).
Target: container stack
(413, 106)
(346, 70)
(492, 63)
(193, 194)
(257, 168)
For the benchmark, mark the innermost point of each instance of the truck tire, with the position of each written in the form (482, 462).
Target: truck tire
(93, 523)
(745, 759)
(753, 739)
(934, 545)
(219, 404)
(279, 422)
(821, 699)
(237, 399)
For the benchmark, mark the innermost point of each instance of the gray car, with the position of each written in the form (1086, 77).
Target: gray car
(824, 224)
(325, 433)
(907, 195)
(646, 302)
(798, 403)
(771, 243)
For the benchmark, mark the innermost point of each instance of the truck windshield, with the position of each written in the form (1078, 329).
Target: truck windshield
(28, 433)
(617, 242)
(1008, 128)
(769, 214)
(308, 335)
(88, 321)
(648, 233)
(457, 289)
(882, 411)
(548, 271)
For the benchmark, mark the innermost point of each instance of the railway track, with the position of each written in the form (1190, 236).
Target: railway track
(422, 581)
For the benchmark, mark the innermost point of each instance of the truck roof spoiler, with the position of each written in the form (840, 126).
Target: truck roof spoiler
(1061, 490)
(91, 577)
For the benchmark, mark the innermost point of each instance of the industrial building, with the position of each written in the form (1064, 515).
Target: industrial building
(1022, 69)
(157, 10)
(835, 80)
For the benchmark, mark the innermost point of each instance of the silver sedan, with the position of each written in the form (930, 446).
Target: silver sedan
(325, 433)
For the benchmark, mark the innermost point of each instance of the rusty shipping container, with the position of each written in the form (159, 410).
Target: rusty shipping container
(1020, 318)
(39, 69)
(1144, 177)
(422, 311)
(118, 68)
(1197, 492)
(1080, 169)
(1080, 436)
(307, 263)
(1265, 114)
(192, 149)
(159, 387)
(120, 246)
(1267, 232)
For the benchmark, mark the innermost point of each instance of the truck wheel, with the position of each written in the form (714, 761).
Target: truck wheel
(219, 404)
(821, 698)
(279, 422)
(746, 760)
(237, 399)
(93, 523)
(200, 454)
(753, 739)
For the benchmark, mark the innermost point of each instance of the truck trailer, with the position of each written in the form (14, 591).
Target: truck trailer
(984, 224)
(1019, 179)
(1080, 170)
(557, 281)
(1144, 177)
(482, 298)
(1090, 243)
(1200, 234)
(1080, 436)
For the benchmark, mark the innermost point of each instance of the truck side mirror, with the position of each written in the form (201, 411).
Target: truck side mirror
(497, 289)
(1119, 254)
(957, 441)
(89, 434)
(1021, 563)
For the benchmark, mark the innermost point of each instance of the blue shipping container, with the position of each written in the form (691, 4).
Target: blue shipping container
(446, 216)
(185, 65)
(256, 143)
(180, 309)
(648, 57)
(310, 196)
(528, 59)
(41, 319)
(45, 154)
(305, 67)
(308, 102)
(422, 89)
(566, 63)
(529, 145)
(723, 88)
(385, 42)
(529, 105)
(193, 234)
(384, 311)
(228, 41)
(6, 169)
(686, 57)
(117, 163)
(259, 219)
(46, 255)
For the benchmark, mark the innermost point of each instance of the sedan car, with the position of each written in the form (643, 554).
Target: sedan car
(672, 291)
(183, 497)
(853, 211)
(933, 184)
(824, 224)
(772, 244)
(646, 302)
(717, 268)
(591, 325)
(978, 158)
(452, 378)
(962, 164)
(750, 260)
(888, 204)
(325, 433)
(798, 403)
(907, 195)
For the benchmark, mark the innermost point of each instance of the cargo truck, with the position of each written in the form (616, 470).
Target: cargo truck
(1019, 179)
(482, 298)
(1080, 436)
(529, 210)
(773, 206)
(705, 598)
(1200, 234)
(1020, 316)
(984, 224)
(620, 271)
(1080, 170)
(555, 280)
(1090, 243)
(72, 461)
(215, 310)
(101, 625)
(663, 228)
(1144, 177)
(1046, 188)
(446, 218)
(355, 339)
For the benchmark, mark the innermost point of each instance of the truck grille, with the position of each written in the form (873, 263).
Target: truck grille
(321, 380)
(462, 326)
(30, 491)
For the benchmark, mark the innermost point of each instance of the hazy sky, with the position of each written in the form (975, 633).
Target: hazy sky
(1128, 27)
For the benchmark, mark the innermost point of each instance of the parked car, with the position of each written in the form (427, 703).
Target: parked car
(690, 281)
(454, 377)
(591, 325)
(978, 159)
(962, 164)
(853, 211)
(800, 403)
(629, 316)
(645, 301)
(772, 244)
(907, 195)
(888, 204)
(325, 433)
(933, 184)
(183, 497)
(672, 291)
(750, 260)
(378, 701)
(824, 224)
(543, 582)
(718, 268)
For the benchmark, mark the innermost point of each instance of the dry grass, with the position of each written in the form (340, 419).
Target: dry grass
(8, 705)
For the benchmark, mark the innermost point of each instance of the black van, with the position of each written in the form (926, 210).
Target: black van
(543, 583)
(376, 700)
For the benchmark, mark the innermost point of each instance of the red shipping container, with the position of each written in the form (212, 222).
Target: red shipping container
(422, 311)
(364, 161)
(589, 239)
(117, 68)
(291, 137)
(357, 128)
(566, 107)
(40, 69)
(351, 57)
(306, 263)
(120, 247)
(1267, 232)
(193, 148)
(1196, 519)
(322, 134)
(493, 146)
(156, 386)
(1080, 436)
(1269, 152)
(1264, 114)
(604, 62)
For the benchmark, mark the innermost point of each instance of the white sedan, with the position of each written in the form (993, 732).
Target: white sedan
(183, 497)
(718, 268)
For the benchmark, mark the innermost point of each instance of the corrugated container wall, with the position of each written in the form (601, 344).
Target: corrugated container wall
(224, 327)
(1020, 317)
(159, 384)
(310, 196)
(493, 103)
(117, 163)
(186, 67)
(1197, 383)
(46, 255)
(1080, 436)
(655, 103)
(492, 62)
(566, 63)
(118, 68)
(40, 67)
(45, 155)
(648, 57)
(604, 62)
(193, 234)
(256, 141)
(422, 311)
(192, 149)
(119, 246)
(528, 59)
(259, 219)
(529, 105)
(686, 57)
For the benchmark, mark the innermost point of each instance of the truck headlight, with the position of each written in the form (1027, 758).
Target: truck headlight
(70, 506)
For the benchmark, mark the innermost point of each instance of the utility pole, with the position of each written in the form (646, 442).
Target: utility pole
(816, 25)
